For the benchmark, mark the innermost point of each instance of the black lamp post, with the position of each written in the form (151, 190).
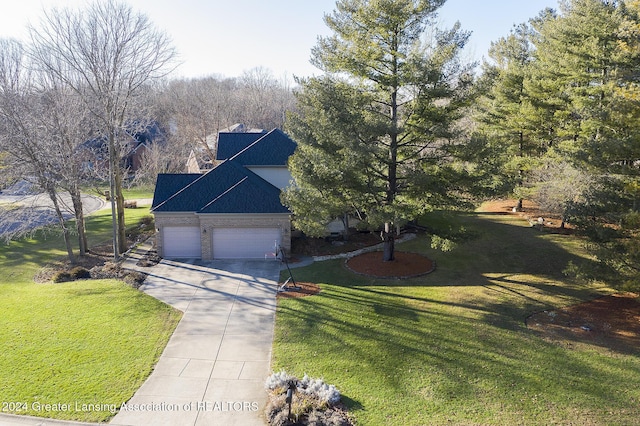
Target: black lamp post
(290, 390)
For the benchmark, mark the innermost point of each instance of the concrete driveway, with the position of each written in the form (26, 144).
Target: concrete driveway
(213, 369)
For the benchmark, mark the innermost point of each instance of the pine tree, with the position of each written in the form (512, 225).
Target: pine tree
(586, 62)
(579, 63)
(373, 131)
(505, 109)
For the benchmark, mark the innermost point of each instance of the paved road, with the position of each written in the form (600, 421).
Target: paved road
(90, 203)
(36, 210)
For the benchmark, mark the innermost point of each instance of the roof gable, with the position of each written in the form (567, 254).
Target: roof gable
(228, 188)
(231, 143)
(169, 184)
(272, 149)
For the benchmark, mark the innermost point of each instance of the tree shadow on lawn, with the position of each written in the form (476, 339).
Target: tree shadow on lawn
(514, 265)
(463, 326)
(445, 357)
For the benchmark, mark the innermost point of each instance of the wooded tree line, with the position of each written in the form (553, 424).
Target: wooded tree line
(557, 122)
(192, 111)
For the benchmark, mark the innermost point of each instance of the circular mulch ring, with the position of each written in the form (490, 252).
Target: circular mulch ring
(405, 265)
(301, 289)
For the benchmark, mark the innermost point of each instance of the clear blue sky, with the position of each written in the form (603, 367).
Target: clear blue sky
(227, 37)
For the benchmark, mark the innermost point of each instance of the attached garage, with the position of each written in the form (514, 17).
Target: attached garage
(182, 242)
(245, 243)
(227, 213)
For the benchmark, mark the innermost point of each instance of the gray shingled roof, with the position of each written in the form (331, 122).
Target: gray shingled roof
(169, 184)
(228, 188)
(272, 149)
(256, 149)
(231, 143)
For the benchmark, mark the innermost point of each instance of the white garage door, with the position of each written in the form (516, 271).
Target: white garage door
(245, 243)
(182, 242)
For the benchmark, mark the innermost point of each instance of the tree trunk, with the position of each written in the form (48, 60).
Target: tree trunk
(345, 223)
(122, 230)
(113, 171)
(76, 198)
(65, 231)
(388, 247)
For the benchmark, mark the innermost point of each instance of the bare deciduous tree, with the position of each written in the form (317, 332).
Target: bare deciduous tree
(107, 54)
(26, 140)
(66, 124)
(264, 99)
(197, 109)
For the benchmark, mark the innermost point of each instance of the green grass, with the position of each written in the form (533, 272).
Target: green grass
(84, 342)
(452, 347)
(129, 193)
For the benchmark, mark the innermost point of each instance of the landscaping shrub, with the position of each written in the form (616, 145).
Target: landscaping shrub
(61, 277)
(314, 402)
(147, 221)
(79, 272)
(146, 226)
(135, 279)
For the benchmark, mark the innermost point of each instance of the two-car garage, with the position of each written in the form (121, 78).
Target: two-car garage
(245, 243)
(180, 242)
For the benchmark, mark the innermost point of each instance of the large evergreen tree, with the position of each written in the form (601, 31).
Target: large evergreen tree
(374, 130)
(580, 63)
(505, 109)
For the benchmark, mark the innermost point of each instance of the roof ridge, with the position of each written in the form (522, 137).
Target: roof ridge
(252, 144)
(184, 188)
(225, 192)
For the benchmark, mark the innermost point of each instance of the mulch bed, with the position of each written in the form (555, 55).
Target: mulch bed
(99, 262)
(301, 289)
(612, 321)
(405, 265)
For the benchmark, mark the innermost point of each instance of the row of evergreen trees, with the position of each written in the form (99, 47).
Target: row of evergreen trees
(398, 124)
(558, 112)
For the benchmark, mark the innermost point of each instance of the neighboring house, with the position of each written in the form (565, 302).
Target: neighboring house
(95, 152)
(200, 158)
(233, 210)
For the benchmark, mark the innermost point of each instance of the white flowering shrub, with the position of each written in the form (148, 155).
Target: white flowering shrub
(278, 380)
(314, 402)
(327, 394)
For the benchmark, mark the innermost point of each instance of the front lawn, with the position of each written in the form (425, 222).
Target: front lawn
(452, 347)
(74, 350)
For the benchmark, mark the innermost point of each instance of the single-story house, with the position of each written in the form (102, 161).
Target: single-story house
(231, 211)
